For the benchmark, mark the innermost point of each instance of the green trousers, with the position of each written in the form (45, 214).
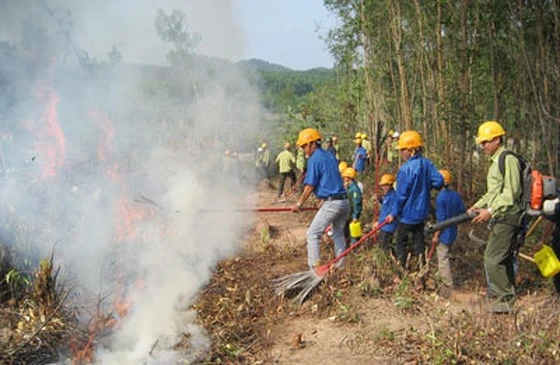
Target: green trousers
(499, 260)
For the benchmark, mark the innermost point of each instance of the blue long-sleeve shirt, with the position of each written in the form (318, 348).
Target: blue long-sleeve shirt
(360, 157)
(386, 204)
(415, 179)
(448, 205)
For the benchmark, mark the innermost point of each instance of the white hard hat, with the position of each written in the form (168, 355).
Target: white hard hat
(396, 135)
(259, 149)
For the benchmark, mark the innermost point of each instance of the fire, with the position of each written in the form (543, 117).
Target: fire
(49, 144)
(103, 149)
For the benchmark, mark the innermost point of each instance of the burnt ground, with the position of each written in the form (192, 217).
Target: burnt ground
(370, 312)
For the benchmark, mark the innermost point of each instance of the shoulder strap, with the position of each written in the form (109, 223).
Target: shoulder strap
(502, 160)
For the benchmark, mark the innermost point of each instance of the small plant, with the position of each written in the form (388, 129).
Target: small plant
(16, 282)
(45, 285)
(265, 237)
(385, 334)
(403, 298)
(347, 313)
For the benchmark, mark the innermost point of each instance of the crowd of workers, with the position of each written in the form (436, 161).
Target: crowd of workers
(405, 203)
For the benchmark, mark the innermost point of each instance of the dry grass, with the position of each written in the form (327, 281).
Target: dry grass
(239, 308)
(34, 321)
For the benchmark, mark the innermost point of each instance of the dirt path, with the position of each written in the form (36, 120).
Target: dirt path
(333, 339)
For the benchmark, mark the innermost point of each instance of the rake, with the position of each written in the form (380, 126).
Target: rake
(306, 281)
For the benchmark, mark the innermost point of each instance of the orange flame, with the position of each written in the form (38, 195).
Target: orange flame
(103, 148)
(50, 143)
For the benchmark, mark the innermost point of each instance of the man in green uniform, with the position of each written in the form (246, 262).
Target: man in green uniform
(367, 145)
(286, 163)
(499, 206)
(336, 147)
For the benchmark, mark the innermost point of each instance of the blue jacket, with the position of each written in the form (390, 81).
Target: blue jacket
(415, 179)
(386, 204)
(360, 157)
(448, 205)
(355, 196)
(323, 175)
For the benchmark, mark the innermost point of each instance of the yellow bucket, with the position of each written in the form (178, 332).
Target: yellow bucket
(355, 229)
(546, 260)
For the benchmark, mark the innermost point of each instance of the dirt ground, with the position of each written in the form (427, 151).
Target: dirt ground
(363, 314)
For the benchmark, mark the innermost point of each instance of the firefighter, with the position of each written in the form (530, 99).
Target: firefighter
(355, 197)
(415, 179)
(324, 180)
(385, 235)
(499, 206)
(286, 166)
(448, 205)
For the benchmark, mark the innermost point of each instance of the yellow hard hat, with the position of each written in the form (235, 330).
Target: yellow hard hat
(364, 136)
(446, 176)
(308, 135)
(409, 139)
(349, 172)
(342, 166)
(358, 135)
(488, 131)
(264, 145)
(387, 179)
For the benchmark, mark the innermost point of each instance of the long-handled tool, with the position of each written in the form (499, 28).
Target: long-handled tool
(480, 242)
(453, 221)
(256, 209)
(308, 280)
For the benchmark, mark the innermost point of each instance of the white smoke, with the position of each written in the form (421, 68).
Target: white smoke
(119, 167)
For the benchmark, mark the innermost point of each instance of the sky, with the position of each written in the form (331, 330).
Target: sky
(286, 32)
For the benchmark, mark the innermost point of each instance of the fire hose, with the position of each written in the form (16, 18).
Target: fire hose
(453, 221)
(462, 218)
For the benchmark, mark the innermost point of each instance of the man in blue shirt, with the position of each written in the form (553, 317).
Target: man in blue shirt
(415, 179)
(324, 180)
(385, 235)
(360, 156)
(448, 205)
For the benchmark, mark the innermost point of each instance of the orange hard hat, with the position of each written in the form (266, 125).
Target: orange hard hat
(308, 135)
(446, 176)
(349, 172)
(409, 139)
(387, 179)
(342, 166)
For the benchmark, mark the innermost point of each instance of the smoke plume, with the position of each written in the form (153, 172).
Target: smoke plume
(118, 167)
